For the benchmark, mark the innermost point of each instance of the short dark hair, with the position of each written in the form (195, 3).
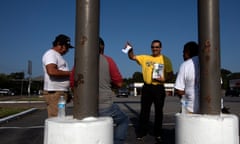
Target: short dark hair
(192, 47)
(157, 41)
(101, 41)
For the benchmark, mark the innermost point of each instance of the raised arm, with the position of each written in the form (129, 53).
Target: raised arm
(130, 52)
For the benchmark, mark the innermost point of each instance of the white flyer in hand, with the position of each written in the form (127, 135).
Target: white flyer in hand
(126, 49)
(157, 71)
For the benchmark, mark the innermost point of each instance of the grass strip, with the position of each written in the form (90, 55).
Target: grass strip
(4, 112)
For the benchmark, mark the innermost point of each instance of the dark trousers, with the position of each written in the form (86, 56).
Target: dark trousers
(151, 94)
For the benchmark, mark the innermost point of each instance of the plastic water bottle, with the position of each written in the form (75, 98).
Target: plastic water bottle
(184, 103)
(61, 107)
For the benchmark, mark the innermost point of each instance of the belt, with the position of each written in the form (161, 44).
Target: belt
(51, 92)
(153, 84)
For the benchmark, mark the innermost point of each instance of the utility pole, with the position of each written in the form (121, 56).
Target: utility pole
(86, 60)
(210, 75)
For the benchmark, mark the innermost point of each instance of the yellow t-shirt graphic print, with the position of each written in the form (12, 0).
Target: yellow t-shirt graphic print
(147, 62)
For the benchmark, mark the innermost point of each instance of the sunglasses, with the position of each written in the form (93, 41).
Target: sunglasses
(155, 47)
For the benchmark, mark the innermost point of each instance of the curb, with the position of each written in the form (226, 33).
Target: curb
(17, 115)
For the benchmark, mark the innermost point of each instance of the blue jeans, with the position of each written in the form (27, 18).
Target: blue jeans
(120, 120)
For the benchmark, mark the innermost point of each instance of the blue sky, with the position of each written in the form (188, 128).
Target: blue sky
(28, 27)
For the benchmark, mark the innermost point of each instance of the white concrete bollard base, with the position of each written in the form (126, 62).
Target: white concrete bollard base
(206, 129)
(90, 130)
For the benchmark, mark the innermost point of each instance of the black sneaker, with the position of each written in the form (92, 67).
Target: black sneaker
(158, 140)
(140, 140)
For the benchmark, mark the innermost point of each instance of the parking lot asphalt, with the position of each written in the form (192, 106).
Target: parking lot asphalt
(29, 128)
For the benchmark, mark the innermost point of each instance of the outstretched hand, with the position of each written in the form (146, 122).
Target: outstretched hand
(127, 47)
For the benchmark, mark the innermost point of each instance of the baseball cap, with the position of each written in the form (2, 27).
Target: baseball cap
(62, 40)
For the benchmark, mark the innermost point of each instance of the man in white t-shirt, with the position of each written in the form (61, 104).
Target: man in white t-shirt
(187, 84)
(56, 73)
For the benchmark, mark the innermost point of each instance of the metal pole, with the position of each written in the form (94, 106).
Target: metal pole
(30, 74)
(86, 59)
(22, 87)
(208, 29)
(29, 85)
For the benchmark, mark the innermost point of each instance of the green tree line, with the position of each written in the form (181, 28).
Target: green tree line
(19, 84)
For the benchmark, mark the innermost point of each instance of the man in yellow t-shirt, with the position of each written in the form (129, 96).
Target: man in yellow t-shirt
(156, 69)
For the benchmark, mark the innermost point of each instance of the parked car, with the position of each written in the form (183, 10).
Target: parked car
(232, 92)
(122, 92)
(6, 92)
